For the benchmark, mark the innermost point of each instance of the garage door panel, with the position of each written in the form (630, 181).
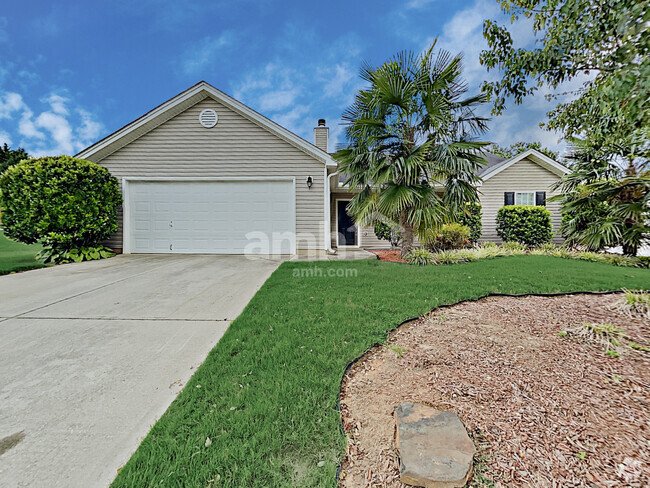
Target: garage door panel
(210, 216)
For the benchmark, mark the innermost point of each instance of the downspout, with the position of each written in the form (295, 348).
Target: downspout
(328, 213)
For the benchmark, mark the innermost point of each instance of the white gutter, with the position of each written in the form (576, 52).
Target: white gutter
(328, 214)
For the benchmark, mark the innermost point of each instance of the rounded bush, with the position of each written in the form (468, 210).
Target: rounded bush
(61, 201)
(420, 256)
(450, 236)
(528, 225)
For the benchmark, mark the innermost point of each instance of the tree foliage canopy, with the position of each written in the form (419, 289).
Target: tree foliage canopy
(409, 131)
(9, 157)
(519, 147)
(607, 39)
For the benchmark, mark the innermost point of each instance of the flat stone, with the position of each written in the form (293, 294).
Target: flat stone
(435, 450)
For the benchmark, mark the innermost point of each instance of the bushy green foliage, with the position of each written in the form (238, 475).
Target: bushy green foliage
(420, 257)
(449, 236)
(9, 157)
(472, 219)
(388, 231)
(56, 253)
(490, 250)
(530, 225)
(63, 202)
(519, 147)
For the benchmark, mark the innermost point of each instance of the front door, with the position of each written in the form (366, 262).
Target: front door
(346, 229)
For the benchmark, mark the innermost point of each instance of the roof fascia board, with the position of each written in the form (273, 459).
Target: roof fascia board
(231, 103)
(537, 157)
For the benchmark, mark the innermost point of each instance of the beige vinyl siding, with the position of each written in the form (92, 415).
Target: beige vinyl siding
(523, 176)
(367, 237)
(235, 147)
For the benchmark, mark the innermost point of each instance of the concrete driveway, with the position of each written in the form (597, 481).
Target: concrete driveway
(91, 354)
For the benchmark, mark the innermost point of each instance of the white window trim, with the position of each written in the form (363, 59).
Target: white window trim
(336, 209)
(126, 212)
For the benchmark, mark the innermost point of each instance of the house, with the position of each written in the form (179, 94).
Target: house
(525, 179)
(204, 173)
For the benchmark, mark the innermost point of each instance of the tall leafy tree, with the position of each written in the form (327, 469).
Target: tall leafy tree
(411, 152)
(608, 119)
(607, 39)
(9, 157)
(519, 147)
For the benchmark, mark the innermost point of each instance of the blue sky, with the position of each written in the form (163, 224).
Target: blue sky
(72, 72)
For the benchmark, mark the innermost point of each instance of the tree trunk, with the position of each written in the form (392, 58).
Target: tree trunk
(408, 235)
(629, 250)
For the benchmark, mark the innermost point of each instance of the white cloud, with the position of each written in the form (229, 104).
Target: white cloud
(57, 104)
(205, 53)
(278, 99)
(90, 129)
(5, 138)
(418, 4)
(10, 103)
(26, 126)
(54, 131)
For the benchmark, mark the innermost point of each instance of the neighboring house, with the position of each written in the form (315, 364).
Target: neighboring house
(203, 173)
(525, 179)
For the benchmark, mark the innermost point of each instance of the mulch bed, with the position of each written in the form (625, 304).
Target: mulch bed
(388, 255)
(544, 410)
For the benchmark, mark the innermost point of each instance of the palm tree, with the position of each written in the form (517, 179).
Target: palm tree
(606, 196)
(409, 134)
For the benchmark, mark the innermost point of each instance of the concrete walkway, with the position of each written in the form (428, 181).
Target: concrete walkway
(91, 354)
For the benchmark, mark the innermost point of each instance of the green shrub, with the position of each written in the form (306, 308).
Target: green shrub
(529, 225)
(514, 248)
(450, 236)
(56, 254)
(472, 219)
(63, 202)
(420, 257)
(388, 231)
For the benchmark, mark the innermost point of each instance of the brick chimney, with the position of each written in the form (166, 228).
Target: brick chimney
(321, 135)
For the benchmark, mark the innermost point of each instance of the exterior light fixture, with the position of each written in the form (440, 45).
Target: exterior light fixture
(310, 181)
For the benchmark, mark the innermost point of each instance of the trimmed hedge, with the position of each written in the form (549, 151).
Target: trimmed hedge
(450, 236)
(63, 202)
(472, 219)
(529, 225)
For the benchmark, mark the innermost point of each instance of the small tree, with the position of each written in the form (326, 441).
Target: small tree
(388, 231)
(9, 157)
(65, 203)
(410, 130)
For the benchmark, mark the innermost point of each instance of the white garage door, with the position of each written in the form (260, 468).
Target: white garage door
(224, 217)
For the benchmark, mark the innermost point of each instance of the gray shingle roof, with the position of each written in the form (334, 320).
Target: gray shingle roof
(492, 161)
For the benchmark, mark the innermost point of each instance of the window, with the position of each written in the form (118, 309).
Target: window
(525, 198)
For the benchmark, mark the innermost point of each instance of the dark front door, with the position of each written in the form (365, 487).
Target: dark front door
(346, 228)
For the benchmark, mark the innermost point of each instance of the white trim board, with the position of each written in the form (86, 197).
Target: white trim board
(535, 156)
(229, 102)
(336, 209)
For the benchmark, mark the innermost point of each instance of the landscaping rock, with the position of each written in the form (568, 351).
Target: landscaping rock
(435, 450)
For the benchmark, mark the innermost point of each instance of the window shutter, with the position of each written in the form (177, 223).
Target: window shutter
(540, 198)
(509, 198)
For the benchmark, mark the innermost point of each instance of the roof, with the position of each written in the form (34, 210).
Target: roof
(491, 160)
(494, 166)
(181, 102)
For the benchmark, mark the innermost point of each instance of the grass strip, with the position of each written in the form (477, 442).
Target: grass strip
(266, 395)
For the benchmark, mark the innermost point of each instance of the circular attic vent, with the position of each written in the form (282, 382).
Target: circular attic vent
(208, 118)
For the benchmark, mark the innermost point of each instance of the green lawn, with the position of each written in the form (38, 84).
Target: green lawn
(267, 393)
(15, 256)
